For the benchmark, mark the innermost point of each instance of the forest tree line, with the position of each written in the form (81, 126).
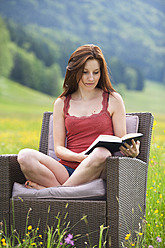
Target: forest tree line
(36, 62)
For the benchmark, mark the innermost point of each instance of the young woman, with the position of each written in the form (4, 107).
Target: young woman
(88, 107)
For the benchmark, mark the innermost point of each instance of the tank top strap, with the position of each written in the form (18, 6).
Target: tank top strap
(105, 100)
(66, 104)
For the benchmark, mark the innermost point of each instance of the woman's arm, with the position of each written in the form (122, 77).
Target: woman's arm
(117, 110)
(59, 133)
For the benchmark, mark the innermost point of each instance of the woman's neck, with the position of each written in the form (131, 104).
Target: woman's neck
(84, 95)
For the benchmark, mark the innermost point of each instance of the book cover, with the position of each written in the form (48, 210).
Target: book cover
(113, 143)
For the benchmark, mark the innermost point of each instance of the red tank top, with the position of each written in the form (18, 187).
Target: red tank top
(82, 131)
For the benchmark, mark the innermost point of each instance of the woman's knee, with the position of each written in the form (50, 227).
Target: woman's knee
(99, 156)
(24, 158)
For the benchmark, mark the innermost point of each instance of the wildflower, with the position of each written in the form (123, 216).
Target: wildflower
(160, 195)
(69, 240)
(29, 227)
(132, 244)
(156, 211)
(150, 246)
(3, 242)
(140, 234)
(158, 201)
(159, 239)
(127, 236)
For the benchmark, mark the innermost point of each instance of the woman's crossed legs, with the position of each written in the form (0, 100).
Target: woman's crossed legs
(42, 171)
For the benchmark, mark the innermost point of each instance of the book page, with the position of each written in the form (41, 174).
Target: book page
(131, 135)
(110, 138)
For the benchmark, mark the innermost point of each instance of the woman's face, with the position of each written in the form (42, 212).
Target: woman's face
(91, 74)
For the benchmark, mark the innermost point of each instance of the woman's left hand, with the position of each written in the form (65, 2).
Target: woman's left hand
(131, 151)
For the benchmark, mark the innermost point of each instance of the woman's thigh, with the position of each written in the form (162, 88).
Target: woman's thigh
(36, 161)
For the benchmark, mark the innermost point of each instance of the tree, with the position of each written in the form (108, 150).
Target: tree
(117, 68)
(6, 59)
(130, 78)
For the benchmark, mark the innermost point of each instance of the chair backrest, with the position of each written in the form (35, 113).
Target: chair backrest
(145, 127)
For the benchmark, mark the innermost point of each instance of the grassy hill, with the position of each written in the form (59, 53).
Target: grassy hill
(18, 100)
(151, 99)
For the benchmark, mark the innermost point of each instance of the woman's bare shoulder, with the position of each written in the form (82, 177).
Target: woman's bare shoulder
(59, 104)
(116, 103)
(59, 101)
(115, 97)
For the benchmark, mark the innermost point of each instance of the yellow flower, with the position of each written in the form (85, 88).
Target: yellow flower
(156, 211)
(127, 236)
(33, 243)
(29, 227)
(148, 224)
(160, 195)
(158, 201)
(162, 215)
(40, 243)
(151, 188)
(3, 240)
(40, 236)
(155, 123)
(132, 244)
(157, 225)
(140, 234)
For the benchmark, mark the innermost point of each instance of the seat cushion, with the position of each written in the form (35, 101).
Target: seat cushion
(132, 122)
(94, 190)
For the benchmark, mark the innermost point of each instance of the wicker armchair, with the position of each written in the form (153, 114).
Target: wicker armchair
(122, 210)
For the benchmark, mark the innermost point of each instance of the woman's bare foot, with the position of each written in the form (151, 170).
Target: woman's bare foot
(31, 185)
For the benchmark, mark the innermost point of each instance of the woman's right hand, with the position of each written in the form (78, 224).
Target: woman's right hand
(81, 156)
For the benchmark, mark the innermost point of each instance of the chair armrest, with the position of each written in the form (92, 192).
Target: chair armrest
(10, 172)
(126, 194)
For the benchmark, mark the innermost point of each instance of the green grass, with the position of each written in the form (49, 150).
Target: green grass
(149, 100)
(21, 111)
(17, 101)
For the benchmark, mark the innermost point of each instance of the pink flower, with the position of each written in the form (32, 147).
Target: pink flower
(159, 239)
(150, 246)
(68, 239)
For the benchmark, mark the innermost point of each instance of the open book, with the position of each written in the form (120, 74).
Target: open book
(112, 143)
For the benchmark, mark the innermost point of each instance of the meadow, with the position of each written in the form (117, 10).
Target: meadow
(21, 111)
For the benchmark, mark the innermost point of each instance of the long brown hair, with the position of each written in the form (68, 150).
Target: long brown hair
(76, 65)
